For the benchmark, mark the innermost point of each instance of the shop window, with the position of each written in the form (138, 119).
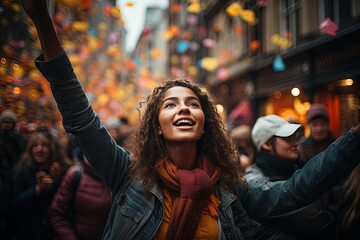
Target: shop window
(289, 19)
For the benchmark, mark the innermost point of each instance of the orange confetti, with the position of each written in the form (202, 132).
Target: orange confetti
(238, 30)
(156, 53)
(175, 8)
(175, 30)
(225, 54)
(254, 45)
(216, 27)
(287, 34)
(129, 4)
(115, 12)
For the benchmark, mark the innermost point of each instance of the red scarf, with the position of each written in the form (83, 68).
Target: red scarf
(193, 190)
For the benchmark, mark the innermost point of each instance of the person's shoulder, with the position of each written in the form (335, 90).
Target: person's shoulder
(306, 141)
(73, 169)
(254, 173)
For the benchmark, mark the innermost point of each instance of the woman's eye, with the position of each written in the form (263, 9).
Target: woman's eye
(169, 105)
(194, 104)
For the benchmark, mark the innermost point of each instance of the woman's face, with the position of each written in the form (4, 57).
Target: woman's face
(287, 147)
(40, 149)
(181, 117)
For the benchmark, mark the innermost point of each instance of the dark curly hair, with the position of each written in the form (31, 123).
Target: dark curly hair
(148, 147)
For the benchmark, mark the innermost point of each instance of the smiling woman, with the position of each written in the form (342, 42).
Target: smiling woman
(181, 117)
(179, 180)
(36, 179)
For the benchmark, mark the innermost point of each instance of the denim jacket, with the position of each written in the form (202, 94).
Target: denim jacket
(137, 212)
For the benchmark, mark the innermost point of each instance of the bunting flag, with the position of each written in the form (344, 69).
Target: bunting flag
(247, 15)
(281, 42)
(328, 27)
(261, 3)
(278, 64)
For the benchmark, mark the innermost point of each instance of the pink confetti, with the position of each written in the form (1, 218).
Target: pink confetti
(261, 3)
(208, 42)
(328, 27)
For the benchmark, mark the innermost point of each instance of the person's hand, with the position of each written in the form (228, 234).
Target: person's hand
(55, 171)
(44, 181)
(35, 9)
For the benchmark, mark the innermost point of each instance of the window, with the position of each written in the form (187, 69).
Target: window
(289, 19)
(340, 11)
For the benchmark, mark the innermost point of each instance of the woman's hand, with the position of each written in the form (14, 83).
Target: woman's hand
(55, 171)
(35, 9)
(44, 181)
(39, 14)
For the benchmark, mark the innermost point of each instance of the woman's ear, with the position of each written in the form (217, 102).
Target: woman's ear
(267, 146)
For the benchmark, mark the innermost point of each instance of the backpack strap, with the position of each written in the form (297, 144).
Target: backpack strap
(75, 184)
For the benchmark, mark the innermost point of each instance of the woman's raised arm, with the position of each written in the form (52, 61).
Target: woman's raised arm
(38, 12)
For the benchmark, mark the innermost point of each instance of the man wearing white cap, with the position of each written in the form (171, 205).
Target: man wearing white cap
(277, 159)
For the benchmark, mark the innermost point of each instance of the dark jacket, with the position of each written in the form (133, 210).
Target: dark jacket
(137, 212)
(29, 208)
(314, 221)
(309, 148)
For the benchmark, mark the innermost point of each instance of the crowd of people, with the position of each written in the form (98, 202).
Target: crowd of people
(181, 175)
(50, 190)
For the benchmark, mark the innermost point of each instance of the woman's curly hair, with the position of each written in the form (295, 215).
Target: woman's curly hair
(148, 147)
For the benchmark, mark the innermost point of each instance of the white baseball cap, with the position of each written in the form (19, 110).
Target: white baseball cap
(271, 125)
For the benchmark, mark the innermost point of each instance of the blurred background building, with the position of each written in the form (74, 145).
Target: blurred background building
(256, 56)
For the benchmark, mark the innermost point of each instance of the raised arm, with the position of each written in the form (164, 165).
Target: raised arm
(38, 12)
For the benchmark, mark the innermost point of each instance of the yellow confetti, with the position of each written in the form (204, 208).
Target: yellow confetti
(248, 16)
(234, 9)
(209, 63)
(194, 8)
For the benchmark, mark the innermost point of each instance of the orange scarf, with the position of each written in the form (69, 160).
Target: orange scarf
(193, 190)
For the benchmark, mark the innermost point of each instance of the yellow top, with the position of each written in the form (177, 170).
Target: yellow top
(208, 226)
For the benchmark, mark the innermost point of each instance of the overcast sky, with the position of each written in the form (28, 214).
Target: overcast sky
(135, 18)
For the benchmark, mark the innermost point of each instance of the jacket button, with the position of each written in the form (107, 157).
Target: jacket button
(231, 195)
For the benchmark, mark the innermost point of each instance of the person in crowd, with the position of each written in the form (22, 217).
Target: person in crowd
(277, 142)
(66, 145)
(81, 205)
(180, 180)
(36, 178)
(242, 137)
(11, 146)
(320, 135)
(126, 130)
(113, 126)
